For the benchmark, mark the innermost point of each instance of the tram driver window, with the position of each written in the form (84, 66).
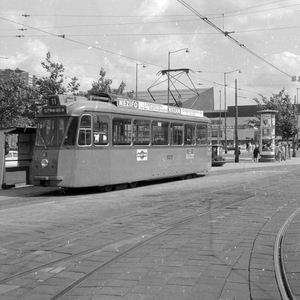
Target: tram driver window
(201, 135)
(101, 130)
(176, 134)
(85, 131)
(121, 131)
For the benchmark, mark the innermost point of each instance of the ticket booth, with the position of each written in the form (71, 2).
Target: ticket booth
(25, 139)
(267, 135)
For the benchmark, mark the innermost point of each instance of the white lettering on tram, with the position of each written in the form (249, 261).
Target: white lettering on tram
(141, 154)
(189, 153)
(149, 106)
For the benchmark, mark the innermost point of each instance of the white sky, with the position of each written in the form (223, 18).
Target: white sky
(118, 34)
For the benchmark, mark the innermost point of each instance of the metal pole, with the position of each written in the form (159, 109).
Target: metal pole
(236, 126)
(168, 77)
(297, 120)
(225, 114)
(136, 81)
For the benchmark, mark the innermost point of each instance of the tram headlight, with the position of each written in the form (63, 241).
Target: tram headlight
(44, 162)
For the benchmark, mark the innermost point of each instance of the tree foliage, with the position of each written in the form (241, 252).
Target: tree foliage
(103, 85)
(286, 116)
(73, 86)
(54, 83)
(17, 102)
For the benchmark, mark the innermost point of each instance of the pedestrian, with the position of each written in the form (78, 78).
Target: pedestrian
(255, 153)
(282, 149)
(277, 153)
(238, 152)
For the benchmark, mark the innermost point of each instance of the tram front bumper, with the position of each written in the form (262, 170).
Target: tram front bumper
(47, 180)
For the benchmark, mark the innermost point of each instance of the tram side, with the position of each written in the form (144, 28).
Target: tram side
(100, 144)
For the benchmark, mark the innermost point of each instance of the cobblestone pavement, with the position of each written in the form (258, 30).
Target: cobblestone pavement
(227, 252)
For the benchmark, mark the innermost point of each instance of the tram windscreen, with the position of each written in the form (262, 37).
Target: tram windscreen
(50, 131)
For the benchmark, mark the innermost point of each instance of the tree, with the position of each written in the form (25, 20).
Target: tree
(54, 83)
(73, 86)
(286, 117)
(17, 102)
(103, 85)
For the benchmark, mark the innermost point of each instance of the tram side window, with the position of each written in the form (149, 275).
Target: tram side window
(70, 138)
(201, 135)
(101, 130)
(176, 134)
(141, 132)
(189, 134)
(85, 131)
(160, 133)
(121, 131)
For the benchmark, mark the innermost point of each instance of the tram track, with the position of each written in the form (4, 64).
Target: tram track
(135, 241)
(172, 226)
(118, 220)
(280, 271)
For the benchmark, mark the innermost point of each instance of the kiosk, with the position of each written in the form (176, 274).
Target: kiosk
(267, 135)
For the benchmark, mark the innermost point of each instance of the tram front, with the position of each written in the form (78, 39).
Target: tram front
(56, 132)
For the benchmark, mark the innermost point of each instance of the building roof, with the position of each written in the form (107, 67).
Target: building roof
(204, 100)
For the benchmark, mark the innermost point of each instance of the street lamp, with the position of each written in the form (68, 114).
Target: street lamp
(225, 113)
(136, 78)
(169, 63)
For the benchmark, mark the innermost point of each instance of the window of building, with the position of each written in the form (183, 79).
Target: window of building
(121, 131)
(141, 132)
(101, 130)
(160, 133)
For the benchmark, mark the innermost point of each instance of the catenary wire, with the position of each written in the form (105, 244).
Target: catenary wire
(227, 34)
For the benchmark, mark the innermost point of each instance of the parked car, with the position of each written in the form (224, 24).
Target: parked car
(11, 159)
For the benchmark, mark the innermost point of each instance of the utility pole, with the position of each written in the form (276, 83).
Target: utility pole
(236, 126)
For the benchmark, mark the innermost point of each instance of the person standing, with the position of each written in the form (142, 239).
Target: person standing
(255, 153)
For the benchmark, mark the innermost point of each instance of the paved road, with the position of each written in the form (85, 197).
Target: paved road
(207, 238)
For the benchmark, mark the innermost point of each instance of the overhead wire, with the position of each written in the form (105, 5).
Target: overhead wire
(227, 35)
(82, 43)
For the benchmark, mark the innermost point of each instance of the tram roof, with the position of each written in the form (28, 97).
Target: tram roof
(76, 106)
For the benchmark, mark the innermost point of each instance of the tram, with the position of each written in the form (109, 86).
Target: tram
(109, 140)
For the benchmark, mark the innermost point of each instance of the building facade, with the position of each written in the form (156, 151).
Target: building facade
(29, 78)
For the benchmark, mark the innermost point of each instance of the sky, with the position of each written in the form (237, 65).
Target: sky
(142, 37)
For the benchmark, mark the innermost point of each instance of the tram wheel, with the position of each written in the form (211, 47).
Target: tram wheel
(108, 188)
(132, 184)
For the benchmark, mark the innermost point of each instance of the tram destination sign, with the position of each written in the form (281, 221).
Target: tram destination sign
(149, 106)
(50, 110)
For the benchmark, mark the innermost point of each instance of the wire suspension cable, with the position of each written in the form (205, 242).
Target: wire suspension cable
(227, 34)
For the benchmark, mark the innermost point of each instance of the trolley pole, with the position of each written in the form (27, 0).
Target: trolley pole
(236, 126)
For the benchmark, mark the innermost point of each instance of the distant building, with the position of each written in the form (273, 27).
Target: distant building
(204, 101)
(29, 78)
